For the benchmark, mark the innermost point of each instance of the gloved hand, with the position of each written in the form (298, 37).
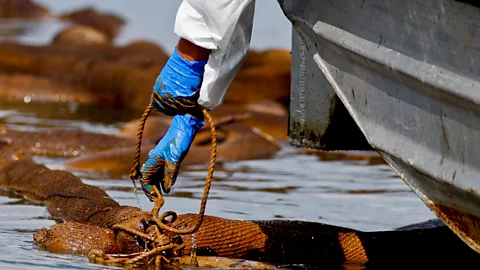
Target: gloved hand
(163, 162)
(176, 90)
(175, 93)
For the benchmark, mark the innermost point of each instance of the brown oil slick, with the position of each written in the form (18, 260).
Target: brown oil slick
(124, 76)
(108, 24)
(236, 142)
(269, 117)
(60, 142)
(27, 9)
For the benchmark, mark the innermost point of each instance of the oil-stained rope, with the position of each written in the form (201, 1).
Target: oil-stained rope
(160, 247)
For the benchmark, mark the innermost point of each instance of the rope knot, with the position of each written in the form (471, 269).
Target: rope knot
(162, 241)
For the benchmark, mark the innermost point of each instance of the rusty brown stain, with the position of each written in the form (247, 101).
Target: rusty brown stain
(466, 226)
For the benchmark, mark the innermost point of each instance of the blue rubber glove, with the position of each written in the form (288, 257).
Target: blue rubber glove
(175, 93)
(163, 162)
(177, 88)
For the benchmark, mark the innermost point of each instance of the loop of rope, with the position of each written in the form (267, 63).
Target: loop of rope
(206, 191)
(162, 246)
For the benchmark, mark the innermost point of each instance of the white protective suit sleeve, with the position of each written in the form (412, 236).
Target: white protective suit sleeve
(225, 27)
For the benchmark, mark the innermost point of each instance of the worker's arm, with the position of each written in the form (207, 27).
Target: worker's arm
(191, 52)
(214, 39)
(225, 27)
